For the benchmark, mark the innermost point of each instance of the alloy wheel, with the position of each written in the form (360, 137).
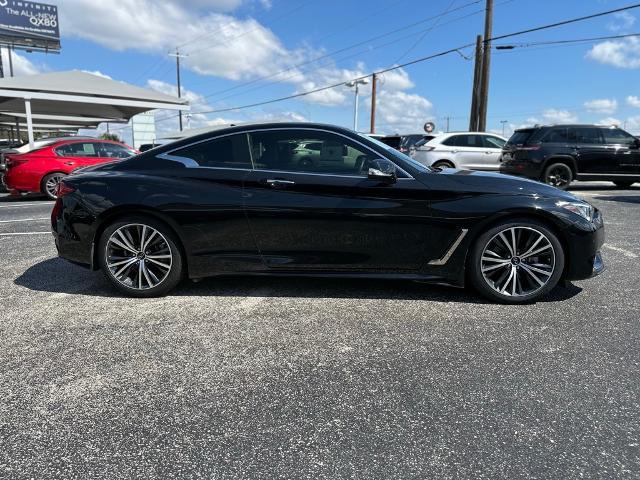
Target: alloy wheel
(518, 261)
(51, 184)
(559, 176)
(138, 256)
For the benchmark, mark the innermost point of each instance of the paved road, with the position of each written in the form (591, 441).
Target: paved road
(282, 378)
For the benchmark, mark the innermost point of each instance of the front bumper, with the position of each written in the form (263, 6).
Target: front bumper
(584, 259)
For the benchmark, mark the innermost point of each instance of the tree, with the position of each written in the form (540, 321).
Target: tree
(110, 136)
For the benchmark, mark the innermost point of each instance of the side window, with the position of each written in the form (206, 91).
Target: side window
(112, 150)
(586, 135)
(288, 150)
(78, 149)
(226, 152)
(557, 135)
(454, 141)
(493, 142)
(617, 136)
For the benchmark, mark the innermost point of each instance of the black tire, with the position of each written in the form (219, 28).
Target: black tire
(623, 184)
(558, 175)
(49, 182)
(165, 242)
(488, 286)
(443, 164)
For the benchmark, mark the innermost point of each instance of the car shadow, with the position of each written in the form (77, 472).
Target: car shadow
(30, 197)
(59, 276)
(619, 198)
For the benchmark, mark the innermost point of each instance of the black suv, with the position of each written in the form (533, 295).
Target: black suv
(559, 154)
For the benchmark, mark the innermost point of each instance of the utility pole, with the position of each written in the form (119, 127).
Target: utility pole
(486, 66)
(178, 57)
(374, 83)
(503, 122)
(10, 51)
(475, 91)
(447, 119)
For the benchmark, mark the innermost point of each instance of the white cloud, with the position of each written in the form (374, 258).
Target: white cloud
(21, 64)
(553, 115)
(633, 101)
(604, 105)
(622, 21)
(633, 125)
(618, 53)
(402, 112)
(610, 121)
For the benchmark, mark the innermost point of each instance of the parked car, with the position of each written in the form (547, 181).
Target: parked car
(559, 154)
(239, 201)
(470, 150)
(41, 170)
(403, 143)
(39, 143)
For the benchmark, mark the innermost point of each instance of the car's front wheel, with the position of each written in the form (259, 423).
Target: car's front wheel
(517, 261)
(140, 257)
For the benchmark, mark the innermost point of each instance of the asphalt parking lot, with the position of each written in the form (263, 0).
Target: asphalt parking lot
(283, 378)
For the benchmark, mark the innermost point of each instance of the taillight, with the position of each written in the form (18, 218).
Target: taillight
(15, 161)
(64, 189)
(531, 147)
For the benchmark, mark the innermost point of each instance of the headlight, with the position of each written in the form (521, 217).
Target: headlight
(583, 209)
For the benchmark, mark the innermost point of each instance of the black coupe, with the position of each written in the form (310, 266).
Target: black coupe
(319, 200)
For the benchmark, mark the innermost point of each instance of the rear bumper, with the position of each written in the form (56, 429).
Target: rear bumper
(72, 232)
(521, 169)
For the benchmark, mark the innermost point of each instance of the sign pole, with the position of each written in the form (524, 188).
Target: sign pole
(10, 52)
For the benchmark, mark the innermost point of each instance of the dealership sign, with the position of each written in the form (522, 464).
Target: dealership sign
(29, 24)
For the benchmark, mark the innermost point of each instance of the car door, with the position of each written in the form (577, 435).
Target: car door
(592, 155)
(210, 212)
(329, 216)
(626, 147)
(492, 152)
(470, 152)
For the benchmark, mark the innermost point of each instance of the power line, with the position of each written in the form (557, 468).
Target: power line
(562, 42)
(419, 60)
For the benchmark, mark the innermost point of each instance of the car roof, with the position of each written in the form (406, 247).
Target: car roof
(567, 125)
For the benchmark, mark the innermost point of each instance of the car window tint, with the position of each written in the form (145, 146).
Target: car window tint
(586, 135)
(112, 150)
(556, 135)
(78, 149)
(452, 141)
(286, 150)
(469, 141)
(226, 152)
(493, 142)
(617, 136)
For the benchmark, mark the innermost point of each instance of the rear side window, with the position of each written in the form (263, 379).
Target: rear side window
(586, 136)
(465, 141)
(78, 149)
(556, 135)
(617, 136)
(227, 152)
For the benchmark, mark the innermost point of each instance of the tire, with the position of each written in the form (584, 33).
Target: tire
(558, 175)
(492, 268)
(152, 271)
(443, 164)
(623, 184)
(50, 182)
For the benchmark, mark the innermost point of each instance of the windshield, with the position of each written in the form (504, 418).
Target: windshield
(399, 155)
(411, 140)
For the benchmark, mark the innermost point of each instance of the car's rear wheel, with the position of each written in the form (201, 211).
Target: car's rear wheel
(140, 257)
(558, 175)
(50, 184)
(623, 184)
(517, 261)
(441, 164)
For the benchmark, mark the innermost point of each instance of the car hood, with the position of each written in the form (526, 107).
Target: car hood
(489, 182)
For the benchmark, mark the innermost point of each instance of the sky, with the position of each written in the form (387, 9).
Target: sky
(240, 52)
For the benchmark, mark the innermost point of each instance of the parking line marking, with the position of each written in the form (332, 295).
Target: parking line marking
(24, 220)
(626, 253)
(17, 205)
(24, 233)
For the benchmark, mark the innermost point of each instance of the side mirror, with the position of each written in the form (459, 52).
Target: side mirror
(382, 170)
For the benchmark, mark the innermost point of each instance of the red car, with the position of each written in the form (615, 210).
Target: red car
(42, 169)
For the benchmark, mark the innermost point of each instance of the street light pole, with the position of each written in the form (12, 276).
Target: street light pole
(356, 83)
(503, 122)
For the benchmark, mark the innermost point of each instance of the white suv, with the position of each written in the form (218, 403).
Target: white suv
(468, 150)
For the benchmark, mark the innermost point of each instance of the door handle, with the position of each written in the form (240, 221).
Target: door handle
(279, 183)
(69, 163)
